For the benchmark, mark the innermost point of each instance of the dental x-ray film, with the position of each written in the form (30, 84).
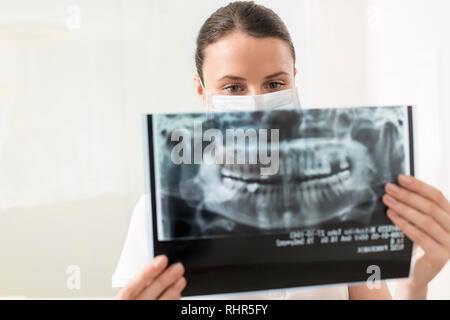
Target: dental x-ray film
(278, 199)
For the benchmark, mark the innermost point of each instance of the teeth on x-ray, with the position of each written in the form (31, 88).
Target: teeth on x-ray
(331, 162)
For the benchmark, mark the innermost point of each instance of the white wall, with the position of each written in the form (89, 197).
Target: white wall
(70, 136)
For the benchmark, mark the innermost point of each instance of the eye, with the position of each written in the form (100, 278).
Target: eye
(275, 85)
(233, 88)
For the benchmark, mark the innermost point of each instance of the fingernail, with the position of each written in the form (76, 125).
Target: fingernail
(158, 262)
(392, 188)
(388, 198)
(405, 179)
(176, 269)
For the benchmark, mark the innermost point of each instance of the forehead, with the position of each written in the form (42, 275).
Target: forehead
(242, 55)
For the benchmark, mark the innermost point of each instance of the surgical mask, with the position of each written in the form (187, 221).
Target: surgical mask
(284, 99)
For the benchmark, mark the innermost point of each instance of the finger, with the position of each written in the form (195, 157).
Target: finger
(426, 223)
(144, 278)
(420, 203)
(160, 284)
(425, 190)
(414, 233)
(174, 292)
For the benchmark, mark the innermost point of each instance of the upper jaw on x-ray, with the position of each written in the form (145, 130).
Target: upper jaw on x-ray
(332, 165)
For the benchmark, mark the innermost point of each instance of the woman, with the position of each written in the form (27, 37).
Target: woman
(245, 49)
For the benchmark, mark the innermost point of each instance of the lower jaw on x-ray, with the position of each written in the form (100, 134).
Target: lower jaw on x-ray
(299, 188)
(331, 165)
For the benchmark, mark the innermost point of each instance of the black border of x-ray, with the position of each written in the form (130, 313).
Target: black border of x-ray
(233, 279)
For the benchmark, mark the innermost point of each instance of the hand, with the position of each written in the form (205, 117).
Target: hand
(156, 281)
(423, 214)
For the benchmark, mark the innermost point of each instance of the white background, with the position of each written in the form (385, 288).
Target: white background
(75, 76)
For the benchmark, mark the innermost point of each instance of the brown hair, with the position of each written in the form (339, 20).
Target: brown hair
(246, 16)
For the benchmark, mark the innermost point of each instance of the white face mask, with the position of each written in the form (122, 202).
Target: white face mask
(284, 99)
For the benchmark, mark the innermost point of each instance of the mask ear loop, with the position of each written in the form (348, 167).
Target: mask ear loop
(297, 92)
(208, 108)
(209, 111)
(298, 98)
(201, 84)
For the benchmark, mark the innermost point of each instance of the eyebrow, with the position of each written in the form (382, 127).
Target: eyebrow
(231, 77)
(281, 73)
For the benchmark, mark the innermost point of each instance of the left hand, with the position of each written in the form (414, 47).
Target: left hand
(423, 214)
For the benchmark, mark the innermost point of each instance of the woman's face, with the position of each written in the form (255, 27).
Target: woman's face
(239, 64)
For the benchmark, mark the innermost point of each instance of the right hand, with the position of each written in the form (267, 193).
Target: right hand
(156, 282)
